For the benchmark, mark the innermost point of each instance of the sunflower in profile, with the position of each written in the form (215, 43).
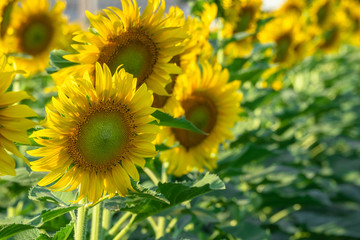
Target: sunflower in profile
(141, 43)
(212, 104)
(95, 135)
(34, 30)
(14, 124)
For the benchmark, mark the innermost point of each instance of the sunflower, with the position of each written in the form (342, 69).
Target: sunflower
(12, 120)
(34, 30)
(351, 9)
(212, 105)
(295, 7)
(241, 16)
(96, 133)
(197, 43)
(141, 43)
(321, 12)
(288, 34)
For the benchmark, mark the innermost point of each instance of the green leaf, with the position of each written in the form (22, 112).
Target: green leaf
(176, 193)
(237, 37)
(49, 214)
(253, 73)
(250, 153)
(169, 121)
(142, 194)
(57, 61)
(6, 15)
(7, 231)
(64, 232)
(24, 178)
(43, 194)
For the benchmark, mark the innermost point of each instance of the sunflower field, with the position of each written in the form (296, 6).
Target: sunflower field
(223, 119)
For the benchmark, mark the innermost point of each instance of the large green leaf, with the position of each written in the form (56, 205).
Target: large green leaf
(43, 194)
(7, 231)
(64, 232)
(175, 193)
(169, 121)
(24, 178)
(49, 214)
(140, 195)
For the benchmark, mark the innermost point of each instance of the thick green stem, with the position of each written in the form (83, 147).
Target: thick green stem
(117, 225)
(106, 222)
(125, 229)
(80, 228)
(95, 223)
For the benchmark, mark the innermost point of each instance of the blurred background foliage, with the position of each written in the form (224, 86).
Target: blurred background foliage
(291, 172)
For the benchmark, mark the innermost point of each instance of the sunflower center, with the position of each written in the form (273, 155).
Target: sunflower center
(101, 138)
(282, 46)
(331, 38)
(293, 8)
(134, 50)
(202, 112)
(246, 17)
(323, 13)
(36, 34)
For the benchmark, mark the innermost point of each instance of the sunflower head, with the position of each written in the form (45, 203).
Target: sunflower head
(13, 119)
(96, 132)
(141, 43)
(321, 12)
(295, 7)
(212, 104)
(35, 31)
(289, 38)
(242, 15)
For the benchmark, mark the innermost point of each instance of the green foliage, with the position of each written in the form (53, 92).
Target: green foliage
(57, 61)
(169, 121)
(148, 203)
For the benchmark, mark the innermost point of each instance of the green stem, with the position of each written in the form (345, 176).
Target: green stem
(220, 39)
(162, 221)
(80, 228)
(164, 176)
(125, 229)
(11, 212)
(95, 223)
(117, 225)
(171, 225)
(106, 221)
(151, 175)
(152, 224)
